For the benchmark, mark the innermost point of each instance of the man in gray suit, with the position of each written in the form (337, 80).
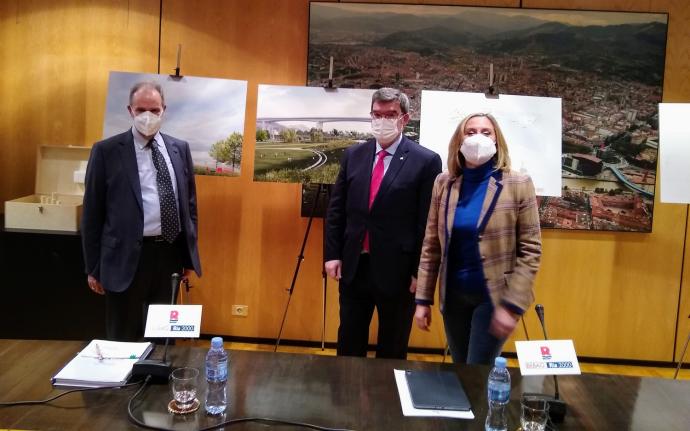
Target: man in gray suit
(139, 223)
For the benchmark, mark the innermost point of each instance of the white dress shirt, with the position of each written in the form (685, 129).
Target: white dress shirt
(147, 180)
(390, 150)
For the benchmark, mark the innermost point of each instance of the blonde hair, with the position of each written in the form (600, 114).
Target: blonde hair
(456, 161)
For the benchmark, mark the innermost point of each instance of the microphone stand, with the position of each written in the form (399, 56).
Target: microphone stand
(557, 407)
(158, 369)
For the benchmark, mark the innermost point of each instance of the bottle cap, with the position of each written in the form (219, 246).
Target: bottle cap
(217, 342)
(500, 362)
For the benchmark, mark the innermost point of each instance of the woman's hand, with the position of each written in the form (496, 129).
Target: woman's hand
(503, 322)
(422, 316)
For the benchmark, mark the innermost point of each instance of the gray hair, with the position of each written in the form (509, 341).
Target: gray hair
(386, 94)
(146, 85)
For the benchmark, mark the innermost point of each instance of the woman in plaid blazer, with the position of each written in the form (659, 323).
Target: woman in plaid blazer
(482, 243)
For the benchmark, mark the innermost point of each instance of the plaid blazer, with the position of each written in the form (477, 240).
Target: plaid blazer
(509, 238)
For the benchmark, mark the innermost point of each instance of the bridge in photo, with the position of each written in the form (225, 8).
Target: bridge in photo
(266, 122)
(629, 184)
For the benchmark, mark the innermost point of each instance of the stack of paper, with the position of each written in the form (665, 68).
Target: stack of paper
(102, 363)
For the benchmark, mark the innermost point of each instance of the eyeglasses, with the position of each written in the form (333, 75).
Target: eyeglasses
(392, 115)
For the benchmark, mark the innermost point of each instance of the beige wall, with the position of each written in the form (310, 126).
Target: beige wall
(616, 294)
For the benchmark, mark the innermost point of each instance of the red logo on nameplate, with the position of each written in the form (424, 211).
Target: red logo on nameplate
(545, 353)
(174, 316)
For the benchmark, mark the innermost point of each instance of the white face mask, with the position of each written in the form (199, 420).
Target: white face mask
(148, 123)
(478, 149)
(384, 130)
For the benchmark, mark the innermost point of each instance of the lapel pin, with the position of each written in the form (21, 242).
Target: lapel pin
(401, 157)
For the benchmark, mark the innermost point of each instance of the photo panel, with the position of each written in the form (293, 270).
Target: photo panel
(674, 152)
(607, 67)
(208, 113)
(530, 125)
(302, 132)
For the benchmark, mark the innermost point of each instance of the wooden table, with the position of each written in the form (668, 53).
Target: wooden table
(353, 393)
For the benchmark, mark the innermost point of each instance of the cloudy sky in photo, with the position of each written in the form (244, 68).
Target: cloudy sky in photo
(308, 104)
(200, 111)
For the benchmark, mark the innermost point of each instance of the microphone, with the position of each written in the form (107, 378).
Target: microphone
(557, 407)
(158, 369)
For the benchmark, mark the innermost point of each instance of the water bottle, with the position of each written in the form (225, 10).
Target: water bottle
(498, 395)
(216, 377)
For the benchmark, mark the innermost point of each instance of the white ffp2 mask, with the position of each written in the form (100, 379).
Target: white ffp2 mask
(148, 123)
(478, 149)
(384, 130)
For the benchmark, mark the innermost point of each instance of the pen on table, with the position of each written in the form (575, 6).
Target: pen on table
(99, 354)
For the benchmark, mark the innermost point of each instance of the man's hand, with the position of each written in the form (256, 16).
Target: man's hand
(186, 272)
(503, 322)
(333, 268)
(95, 285)
(413, 285)
(422, 316)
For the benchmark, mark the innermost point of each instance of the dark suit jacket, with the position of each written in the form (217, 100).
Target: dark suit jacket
(113, 218)
(397, 219)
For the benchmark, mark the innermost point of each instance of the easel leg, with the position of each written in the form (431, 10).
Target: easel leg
(300, 258)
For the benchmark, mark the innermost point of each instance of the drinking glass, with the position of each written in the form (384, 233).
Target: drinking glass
(535, 413)
(183, 383)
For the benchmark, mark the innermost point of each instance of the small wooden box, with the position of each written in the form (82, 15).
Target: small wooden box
(57, 204)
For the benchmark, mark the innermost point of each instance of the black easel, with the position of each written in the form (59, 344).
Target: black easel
(177, 76)
(321, 188)
(491, 91)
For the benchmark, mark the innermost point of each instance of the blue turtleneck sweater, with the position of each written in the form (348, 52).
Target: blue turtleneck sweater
(465, 273)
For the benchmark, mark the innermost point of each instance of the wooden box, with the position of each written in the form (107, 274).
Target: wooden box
(57, 204)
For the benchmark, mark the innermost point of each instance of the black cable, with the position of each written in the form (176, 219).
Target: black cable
(223, 424)
(71, 391)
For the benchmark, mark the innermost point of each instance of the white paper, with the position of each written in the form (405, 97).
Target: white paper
(102, 363)
(532, 127)
(79, 176)
(173, 321)
(547, 357)
(409, 410)
(674, 152)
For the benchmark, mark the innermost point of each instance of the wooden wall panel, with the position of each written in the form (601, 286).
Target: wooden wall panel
(54, 60)
(250, 232)
(615, 294)
(683, 332)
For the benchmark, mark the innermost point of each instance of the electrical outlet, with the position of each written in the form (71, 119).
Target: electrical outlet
(240, 310)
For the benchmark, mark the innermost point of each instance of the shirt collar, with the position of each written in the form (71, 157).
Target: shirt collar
(392, 148)
(141, 142)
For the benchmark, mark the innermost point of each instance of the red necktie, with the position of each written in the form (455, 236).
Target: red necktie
(376, 178)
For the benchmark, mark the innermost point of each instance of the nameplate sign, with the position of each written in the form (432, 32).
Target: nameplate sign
(174, 321)
(547, 357)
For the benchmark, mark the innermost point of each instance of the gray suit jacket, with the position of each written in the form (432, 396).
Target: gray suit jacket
(113, 219)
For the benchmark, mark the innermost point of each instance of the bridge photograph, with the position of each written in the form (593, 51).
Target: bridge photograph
(302, 132)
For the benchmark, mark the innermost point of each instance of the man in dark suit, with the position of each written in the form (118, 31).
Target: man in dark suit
(139, 223)
(375, 228)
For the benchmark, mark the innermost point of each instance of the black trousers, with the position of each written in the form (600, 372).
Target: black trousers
(125, 312)
(357, 302)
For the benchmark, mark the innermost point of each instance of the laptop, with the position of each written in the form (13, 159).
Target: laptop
(436, 390)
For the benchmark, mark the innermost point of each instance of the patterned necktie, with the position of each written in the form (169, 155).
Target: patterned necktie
(376, 178)
(170, 221)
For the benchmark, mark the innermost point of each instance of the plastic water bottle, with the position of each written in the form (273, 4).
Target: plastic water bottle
(216, 377)
(498, 394)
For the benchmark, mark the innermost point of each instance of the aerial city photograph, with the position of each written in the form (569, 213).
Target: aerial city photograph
(606, 66)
